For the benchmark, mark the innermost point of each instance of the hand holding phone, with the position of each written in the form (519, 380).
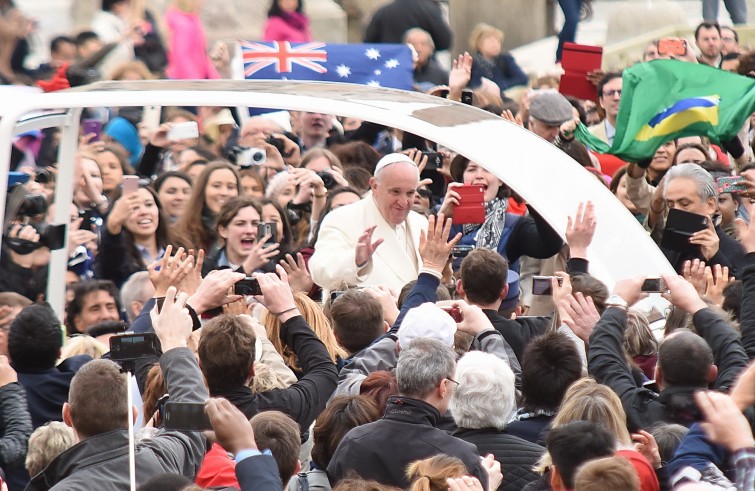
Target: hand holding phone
(541, 285)
(654, 285)
(672, 47)
(454, 312)
(92, 127)
(130, 346)
(248, 287)
(471, 207)
(186, 416)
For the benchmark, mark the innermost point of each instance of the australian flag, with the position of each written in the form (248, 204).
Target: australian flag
(378, 65)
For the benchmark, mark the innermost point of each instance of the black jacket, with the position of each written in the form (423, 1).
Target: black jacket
(607, 363)
(15, 423)
(517, 456)
(747, 308)
(304, 400)
(520, 331)
(390, 23)
(29, 282)
(382, 450)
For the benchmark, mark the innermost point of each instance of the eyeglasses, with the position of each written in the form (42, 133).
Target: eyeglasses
(611, 93)
(452, 380)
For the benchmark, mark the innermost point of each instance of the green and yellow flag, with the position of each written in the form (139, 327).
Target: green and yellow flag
(666, 99)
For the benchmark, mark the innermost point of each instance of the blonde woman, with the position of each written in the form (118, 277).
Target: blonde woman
(490, 62)
(316, 320)
(430, 474)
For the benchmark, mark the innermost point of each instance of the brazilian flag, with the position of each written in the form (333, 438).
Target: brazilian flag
(666, 99)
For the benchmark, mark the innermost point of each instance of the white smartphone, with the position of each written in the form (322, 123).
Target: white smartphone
(151, 117)
(183, 131)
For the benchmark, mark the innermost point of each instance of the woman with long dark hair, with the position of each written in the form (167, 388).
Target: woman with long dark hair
(287, 22)
(217, 183)
(135, 235)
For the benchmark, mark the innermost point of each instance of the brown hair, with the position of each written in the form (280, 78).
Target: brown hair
(231, 208)
(342, 414)
(357, 154)
(615, 473)
(357, 319)
(430, 474)
(591, 287)
(154, 389)
(316, 321)
(379, 386)
(316, 153)
(226, 351)
(98, 400)
(280, 434)
(190, 231)
(483, 275)
(639, 339)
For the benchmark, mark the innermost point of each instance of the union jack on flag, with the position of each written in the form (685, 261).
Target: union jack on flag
(282, 56)
(378, 65)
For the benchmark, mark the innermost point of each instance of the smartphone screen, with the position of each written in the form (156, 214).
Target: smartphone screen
(248, 286)
(653, 285)
(541, 285)
(127, 347)
(183, 131)
(186, 416)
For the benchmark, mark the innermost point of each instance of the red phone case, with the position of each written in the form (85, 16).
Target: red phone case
(578, 60)
(471, 208)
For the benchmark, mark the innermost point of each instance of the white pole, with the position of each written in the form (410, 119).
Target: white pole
(131, 449)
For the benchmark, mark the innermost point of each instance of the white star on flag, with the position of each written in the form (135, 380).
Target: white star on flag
(372, 54)
(378, 72)
(373, 83)
(392, 63)
(343, 71)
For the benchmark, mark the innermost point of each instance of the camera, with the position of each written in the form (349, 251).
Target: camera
(247, 286)
(327, 179)
(30, 209)
(246, 156)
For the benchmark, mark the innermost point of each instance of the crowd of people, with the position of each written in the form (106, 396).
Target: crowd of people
(306, 285)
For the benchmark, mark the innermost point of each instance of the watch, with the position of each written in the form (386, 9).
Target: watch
(617, 301)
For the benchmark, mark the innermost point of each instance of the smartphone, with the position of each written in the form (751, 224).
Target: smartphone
(454, 312)
(130, 184)
(160, 410)
(471, 207)
(186, 416)
(434, 160)
(89, 126)
(151, 117)
(183, 131)
(541, 285)
(247, 286)
(461, 250)
(731, 184)
(467, 97)
(267, 228)
(654, 285)
(130, 346)
(682, 408)
(672, 47)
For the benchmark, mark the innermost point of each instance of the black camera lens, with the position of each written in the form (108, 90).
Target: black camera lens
(44, 176)
(327, 179)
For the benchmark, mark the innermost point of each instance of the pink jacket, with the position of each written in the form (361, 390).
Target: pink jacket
(277, 29)
(187, 47)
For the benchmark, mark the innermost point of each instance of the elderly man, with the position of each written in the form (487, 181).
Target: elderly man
(548, 111)
(427, 71)
(376, 240)
(407, 432)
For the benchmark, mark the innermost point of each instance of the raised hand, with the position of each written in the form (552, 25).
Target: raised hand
(630, 289)
(452, 199)
(298, 274)
(276, 294)
(682, 294)
(694, 272)
(458, 78)
(169, 270)
(232, 429)
(215, 290)
(724, 422)
(173, 324)
(582, 315)
(716, 279)
(260, 254)
(434, 246)
(581, 229)
(647, 446)
(366, 247)
(7, 373)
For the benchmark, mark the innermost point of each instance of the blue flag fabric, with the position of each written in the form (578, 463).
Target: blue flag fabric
(378, 65)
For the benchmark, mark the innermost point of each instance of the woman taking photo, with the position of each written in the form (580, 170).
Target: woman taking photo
(242, 250)
(217, 183)
(113, 162)
(135, 235)
(287, 22)
(511, 235)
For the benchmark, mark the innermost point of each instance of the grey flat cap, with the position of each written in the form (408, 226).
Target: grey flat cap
(551, 108)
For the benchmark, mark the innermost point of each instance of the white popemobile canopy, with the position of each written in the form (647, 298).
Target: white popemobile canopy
(538, 171)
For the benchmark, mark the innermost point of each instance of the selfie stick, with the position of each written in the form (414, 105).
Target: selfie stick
(131, 455)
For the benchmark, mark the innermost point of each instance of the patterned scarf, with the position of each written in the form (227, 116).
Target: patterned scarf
(490, 231)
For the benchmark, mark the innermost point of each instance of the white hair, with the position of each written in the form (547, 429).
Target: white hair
(485, 397)
(277, 184)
